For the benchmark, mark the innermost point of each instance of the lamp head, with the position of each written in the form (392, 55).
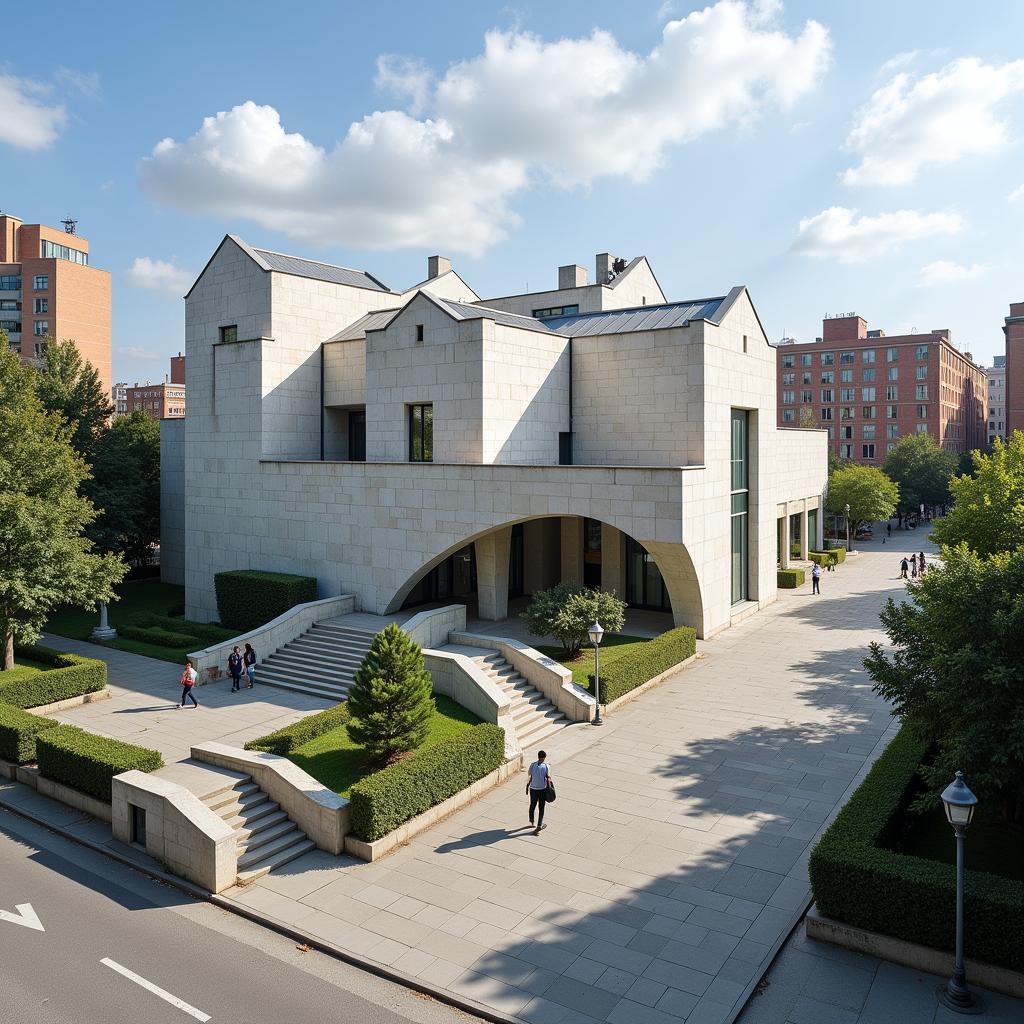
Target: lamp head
(959, 802)
(596, 632)
(846, 509)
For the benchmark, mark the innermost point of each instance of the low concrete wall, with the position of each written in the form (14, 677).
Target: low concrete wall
(269, 637)
(431, 628)
(457, 677)
(380, 847)
(181, 831)
(30, 776)
(540, 671)
(322, 815)
(70, 702)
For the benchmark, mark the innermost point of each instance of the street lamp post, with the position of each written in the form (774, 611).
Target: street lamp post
(596, 632)
(959, 803)
(846, 509)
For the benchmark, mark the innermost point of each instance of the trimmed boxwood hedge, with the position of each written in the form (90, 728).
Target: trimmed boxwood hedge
(650, 660)
(71, 676)
(88, 762)
(247, 598)
(383, 801)
(839, 550)
(18, 732)
(202, 630)
(790, 579)
(857, 881)
(293, 736)
(158, 635)
(823, 558)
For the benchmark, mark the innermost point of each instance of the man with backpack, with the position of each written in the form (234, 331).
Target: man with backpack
(904, 566)
(537, 786)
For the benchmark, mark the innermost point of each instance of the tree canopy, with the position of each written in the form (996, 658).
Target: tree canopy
(45, 560)
(956, 673)
(988, 507)
(870, 494)
(923, 469)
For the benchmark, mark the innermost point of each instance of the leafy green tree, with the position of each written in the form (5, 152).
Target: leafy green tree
(956, 673)
(870, 494)
(125, 487)
(988, 507)
(391, 698)
(923, 469)
(567, 611)
(807, 418)
(71, 386)
(45, 560)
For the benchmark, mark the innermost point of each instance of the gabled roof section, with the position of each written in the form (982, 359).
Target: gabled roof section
(638, 318)
(445, 280)
(465, 311)
(373, 321)
(629, 268)
(731, 299)
(300, 267)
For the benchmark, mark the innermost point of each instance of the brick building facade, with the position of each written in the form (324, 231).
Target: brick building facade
(869, 389)
(1013, 328)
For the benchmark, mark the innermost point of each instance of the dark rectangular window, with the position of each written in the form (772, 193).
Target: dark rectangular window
(10, 283)
(550, 311)
(419, 332)
(565, 448)
(421, 433)
(740, 479)
(357, 436)
(41, 282)
(644, 585)
(229, 334)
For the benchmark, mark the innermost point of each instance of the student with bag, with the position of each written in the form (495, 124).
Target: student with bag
(188, 682)
(235, 667)
(249, 660)
(540, 789)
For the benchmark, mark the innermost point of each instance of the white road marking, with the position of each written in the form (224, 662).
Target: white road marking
(156, 990)
(26, 917)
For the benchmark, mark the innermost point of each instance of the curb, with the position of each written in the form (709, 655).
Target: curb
(453, 999)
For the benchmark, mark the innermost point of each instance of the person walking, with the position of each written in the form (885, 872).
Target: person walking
(816, 579)
(904, 566)
(913, 566)
(537, 788)
(249, 661)
(920, 563)
(235, 666)
(188, 682)
(888, 528)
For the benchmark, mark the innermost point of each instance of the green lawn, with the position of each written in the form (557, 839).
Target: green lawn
(613, 647)
(138, 600)
(337, 763)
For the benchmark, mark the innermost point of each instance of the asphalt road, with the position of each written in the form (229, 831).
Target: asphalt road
(119, 948)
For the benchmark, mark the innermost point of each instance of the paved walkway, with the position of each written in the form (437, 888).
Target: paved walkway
(675, 861)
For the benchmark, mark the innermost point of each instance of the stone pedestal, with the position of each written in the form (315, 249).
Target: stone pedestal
(104, 631)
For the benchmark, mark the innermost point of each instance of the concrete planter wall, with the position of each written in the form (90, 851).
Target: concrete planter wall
(431, 628)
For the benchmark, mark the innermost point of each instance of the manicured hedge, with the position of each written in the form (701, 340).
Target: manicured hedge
(383, 801)
(247, 598)
(293, 736)
(18, 732)
(824, 558)
(856, 881)
(71, 676)
(158, 635)
(790, 579)
(649, 660)
(839, 550)
(202, 630)
(88, 762)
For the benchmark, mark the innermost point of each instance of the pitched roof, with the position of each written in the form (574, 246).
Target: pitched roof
(300, 267)
(472, 311)
(638, 318)
(372, 321)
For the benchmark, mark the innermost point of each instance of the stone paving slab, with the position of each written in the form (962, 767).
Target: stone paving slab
(674, 864)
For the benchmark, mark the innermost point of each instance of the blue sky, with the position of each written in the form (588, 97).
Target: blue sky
(831, 157)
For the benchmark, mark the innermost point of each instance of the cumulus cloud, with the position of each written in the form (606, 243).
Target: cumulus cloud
(28, 120)
(841, 233)
(159, 276)
(445, 170)
(912, 122)
(948, 272)
(85, 83)
(1017, 194)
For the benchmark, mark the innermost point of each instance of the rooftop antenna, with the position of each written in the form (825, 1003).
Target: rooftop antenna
(70, 225)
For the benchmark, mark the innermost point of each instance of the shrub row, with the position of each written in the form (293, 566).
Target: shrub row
(824, 558)
(247, 598)
(293, 736)
(383, 801)
(18, 732)
(790, 579)
(87, 762)
(651, 659)
(838, 549)
(71, 676)
(202, 630)
(158, 636)
(856, 881)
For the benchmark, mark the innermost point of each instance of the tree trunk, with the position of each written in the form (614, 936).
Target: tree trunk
(8, 655)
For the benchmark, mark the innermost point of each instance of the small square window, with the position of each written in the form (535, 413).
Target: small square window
(40, 305)
(229, 334)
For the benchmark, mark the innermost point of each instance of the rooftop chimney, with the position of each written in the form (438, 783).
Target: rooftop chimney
(604, 261)
(572, 276)
(437, 265)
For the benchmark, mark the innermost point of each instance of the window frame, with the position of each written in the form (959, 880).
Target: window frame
(422, 432)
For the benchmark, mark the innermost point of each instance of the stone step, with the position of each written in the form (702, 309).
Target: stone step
(263, 867)
(356, 636)
(542, 731)
(324, 692)
(303, 674)
(248, 805)
(525, 716)
(257, 850)
(265, 814)
(529, 699)
(312, 665)
(254, 839)
(307, 644)
(230, 795)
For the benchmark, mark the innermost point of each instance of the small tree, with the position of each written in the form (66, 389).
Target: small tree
(567, 612)
(870, 494)
(391, 699)
(922, 468)
(808, 421)
(956, 673)
(988, 507)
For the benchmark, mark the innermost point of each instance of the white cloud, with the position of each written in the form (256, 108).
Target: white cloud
(948, 272)
(28, 121)
(137, 352)
(840, 233)
(912, 122)
(85, 83)
(1017, 194)
(570, 111)
(159, 276)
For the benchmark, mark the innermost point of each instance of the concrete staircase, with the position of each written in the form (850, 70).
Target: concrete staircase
(533, 715)
(322, 662)
(267, 837)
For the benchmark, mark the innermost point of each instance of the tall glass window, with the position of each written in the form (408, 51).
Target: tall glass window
(740, 498)
(421, 433)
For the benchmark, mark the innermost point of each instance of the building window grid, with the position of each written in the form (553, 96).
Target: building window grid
(41, 282)
(739, 505)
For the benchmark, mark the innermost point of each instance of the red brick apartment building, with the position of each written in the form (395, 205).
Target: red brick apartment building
(1013, 328)
(164, 401)
(869, 389)
(47, 287)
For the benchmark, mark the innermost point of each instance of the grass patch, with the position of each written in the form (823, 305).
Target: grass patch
(613, 647)
(338, 763)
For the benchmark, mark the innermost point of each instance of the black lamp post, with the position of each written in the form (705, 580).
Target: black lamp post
(959, 803)
(596, 632)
